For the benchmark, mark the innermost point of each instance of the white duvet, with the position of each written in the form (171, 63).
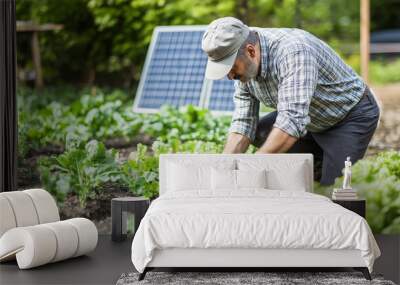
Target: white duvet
(253, 218)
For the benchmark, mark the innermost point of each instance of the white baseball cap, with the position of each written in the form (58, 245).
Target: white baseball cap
(221, 41)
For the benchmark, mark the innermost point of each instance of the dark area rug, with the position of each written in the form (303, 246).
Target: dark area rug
(230, 278)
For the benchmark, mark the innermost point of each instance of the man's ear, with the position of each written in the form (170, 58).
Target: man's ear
(251, 50)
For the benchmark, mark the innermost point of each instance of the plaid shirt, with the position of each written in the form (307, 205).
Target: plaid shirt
(308, 84)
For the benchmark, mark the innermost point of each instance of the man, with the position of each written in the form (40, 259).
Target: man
(322, 106)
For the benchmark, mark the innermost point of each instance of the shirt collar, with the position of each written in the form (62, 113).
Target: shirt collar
(264, 53)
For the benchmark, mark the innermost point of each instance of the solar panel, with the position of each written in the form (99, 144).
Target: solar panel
(174, 74)
(221, 96)
(174, 69)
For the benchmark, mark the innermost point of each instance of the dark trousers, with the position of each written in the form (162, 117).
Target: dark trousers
(349, 137)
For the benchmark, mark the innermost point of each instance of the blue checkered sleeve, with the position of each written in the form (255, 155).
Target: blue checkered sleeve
(245, 118)
(298, 77)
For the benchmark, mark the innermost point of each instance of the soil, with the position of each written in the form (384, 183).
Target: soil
(97, 208)
(27, 172)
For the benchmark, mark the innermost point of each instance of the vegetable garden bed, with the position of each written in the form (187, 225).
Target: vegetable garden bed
(87, 149)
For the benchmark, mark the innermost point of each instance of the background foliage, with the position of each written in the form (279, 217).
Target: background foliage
(105, 41)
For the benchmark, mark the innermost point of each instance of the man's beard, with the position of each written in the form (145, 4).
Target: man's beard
(251, 70)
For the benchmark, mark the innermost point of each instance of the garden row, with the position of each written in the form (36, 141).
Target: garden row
(84, 166)
(45, 121)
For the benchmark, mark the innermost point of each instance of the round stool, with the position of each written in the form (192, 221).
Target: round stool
(119, 209)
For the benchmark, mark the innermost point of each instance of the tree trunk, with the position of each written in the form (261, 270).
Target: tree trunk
(91, 76)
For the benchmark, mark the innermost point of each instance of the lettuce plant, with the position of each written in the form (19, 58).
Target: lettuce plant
(81, 169)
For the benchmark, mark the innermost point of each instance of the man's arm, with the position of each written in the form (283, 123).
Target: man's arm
(298, 74)
(244, 120)
(277, 141)
(236, 143)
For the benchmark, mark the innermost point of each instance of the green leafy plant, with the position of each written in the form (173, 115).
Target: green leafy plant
(186, 123)
(45, 123)
(81, 169)
(103, 117)
(140, 173)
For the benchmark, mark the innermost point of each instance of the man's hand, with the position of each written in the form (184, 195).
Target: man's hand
(236, 143)
(277, 141)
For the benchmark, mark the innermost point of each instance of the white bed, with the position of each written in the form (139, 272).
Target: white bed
(280, 225)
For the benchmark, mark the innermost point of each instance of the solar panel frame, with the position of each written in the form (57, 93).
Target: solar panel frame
(155, 36)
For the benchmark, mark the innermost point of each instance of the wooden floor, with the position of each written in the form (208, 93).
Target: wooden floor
(111, 259)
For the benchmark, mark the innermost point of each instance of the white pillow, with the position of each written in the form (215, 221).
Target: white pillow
(223, 179)
(251, 178)
(184, 175)
(281, 174)
(278, 180)
(227, 179)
